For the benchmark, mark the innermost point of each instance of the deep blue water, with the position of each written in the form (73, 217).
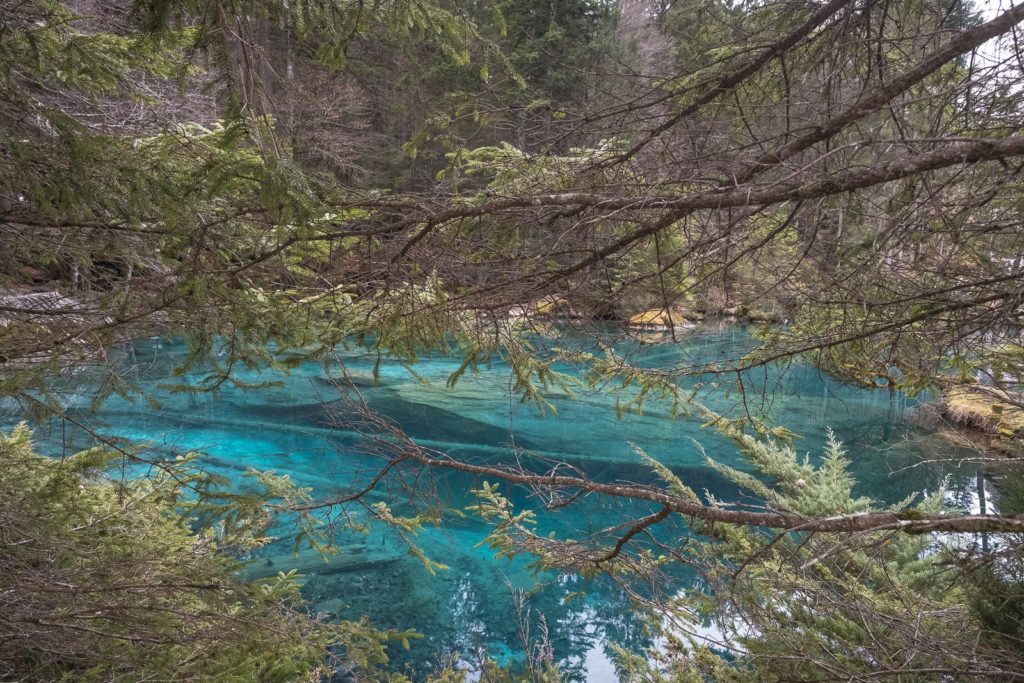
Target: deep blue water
(304, 429)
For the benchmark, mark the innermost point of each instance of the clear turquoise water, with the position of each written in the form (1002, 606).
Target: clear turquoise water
(299, 428)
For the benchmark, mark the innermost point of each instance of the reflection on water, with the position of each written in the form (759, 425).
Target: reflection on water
(294, 428)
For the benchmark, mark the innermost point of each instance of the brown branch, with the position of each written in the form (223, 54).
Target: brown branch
(984, 149)
(640, 525)
(730, 81)
(912, 522)
(879, 97)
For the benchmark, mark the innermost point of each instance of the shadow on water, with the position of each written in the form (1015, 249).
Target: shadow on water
(300, 428)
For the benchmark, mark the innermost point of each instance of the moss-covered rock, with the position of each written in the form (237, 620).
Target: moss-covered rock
(988, 409)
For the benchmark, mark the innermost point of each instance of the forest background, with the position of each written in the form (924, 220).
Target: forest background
(269, 179)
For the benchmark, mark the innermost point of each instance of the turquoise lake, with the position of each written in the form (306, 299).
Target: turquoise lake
(302, 428)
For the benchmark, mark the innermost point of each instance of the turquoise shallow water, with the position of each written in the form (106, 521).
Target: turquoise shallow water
(302, 428)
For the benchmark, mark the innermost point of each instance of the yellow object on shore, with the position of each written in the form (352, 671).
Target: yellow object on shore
(663, 318)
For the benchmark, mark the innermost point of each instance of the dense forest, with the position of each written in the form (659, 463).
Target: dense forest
(552, 189)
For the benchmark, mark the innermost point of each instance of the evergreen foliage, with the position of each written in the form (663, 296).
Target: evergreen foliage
(108, 580)
(114, 579)
(797, 605)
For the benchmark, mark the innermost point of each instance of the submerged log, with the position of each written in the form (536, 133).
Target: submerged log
(308, 561)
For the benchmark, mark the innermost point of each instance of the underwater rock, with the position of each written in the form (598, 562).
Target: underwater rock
(363, 380)
(332, 606)
(418, 410)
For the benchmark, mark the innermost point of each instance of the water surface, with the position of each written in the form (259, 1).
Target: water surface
(303, 428)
